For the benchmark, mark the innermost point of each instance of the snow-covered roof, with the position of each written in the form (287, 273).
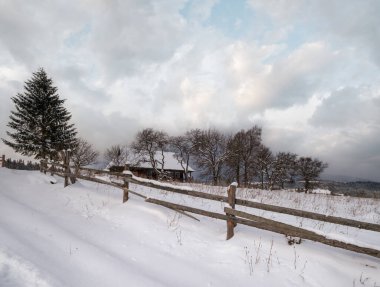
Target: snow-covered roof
(170, 162)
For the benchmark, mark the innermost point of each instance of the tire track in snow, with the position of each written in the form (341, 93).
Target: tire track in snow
(16, 223)
(15, 271)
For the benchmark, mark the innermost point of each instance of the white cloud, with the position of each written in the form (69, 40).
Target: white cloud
(301, 69)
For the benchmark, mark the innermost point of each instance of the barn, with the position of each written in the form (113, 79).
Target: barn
(142, 167)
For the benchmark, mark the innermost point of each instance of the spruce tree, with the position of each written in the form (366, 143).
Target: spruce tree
(40, 122)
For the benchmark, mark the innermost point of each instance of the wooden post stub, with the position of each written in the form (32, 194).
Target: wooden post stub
(45, 165)
(3, 160)
(125, 191)
(52, 169)
(125, 195)
(230, 227)
(232, 195)
(66, 163)
(71, 175)
(231, 192)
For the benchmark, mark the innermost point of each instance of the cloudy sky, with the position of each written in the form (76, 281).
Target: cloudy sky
(306, 71)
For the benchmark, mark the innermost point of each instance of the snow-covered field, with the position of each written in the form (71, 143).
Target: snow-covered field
(83, 235)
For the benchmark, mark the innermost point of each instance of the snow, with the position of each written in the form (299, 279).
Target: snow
(321, 191)
(170, 161)
(83, 235)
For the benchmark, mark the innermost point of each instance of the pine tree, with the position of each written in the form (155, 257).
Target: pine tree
(40, 122)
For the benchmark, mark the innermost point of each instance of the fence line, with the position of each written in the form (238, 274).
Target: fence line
(231, 216)
(247, 203)
(289, 230)
(263, 206)
(310, 215)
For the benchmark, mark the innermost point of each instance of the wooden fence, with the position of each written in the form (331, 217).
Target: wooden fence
(230, 215)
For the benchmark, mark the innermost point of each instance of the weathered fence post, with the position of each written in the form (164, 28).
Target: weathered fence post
(125, 192)
(231, 192)
(66, 162)
(73, 178)
(52, 168)
(126, 188)
(44, 165)
(3, 160)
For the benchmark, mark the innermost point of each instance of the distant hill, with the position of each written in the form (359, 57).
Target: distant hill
(342, 178)
(357, 188)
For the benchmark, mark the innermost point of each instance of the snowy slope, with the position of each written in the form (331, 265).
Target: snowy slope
(83, 235)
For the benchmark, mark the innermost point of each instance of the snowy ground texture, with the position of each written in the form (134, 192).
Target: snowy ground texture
(83, 235)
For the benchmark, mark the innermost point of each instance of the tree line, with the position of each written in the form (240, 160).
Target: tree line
(220, 157)
(40, 127)
(20, 164)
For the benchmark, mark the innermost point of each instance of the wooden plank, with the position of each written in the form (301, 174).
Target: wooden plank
(259, 222)
(125, 190)
(310, 215)
(282, 228)
(188, 209)
(183, 213)
(267, 207)
(177, 190)
(137, 194)
(97, 180)
(98, 171)
(176, 210)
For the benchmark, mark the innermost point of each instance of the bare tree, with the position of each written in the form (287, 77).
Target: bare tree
(263, 160)
(116, 155)
(309, 169)
(83, 154)
(210, 151)
(151, 146)
(243, 147)
(183, 149)
(234, 162)
(281, 169)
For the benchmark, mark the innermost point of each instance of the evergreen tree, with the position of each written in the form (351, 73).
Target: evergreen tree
(40, 122)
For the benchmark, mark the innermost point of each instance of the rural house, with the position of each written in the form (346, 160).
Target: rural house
(142, 167)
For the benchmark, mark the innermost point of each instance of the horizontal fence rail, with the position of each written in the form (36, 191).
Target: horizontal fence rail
(238, 201)
(267, 207)
(231, 216)
(177, 190)
(289, 230)
(187, 208)
(310, 215)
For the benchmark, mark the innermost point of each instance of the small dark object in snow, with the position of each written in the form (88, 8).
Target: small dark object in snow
(293, 240)
(53, 182)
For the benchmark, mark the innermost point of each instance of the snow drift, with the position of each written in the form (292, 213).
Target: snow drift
(83, 235)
